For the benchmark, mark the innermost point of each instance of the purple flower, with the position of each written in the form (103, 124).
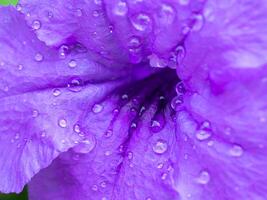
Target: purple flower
(134, 99)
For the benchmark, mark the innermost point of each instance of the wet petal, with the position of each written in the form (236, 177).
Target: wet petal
(42, 98)
(132, 148)
(224, 71)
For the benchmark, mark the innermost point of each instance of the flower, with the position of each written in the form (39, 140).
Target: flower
(134, 100)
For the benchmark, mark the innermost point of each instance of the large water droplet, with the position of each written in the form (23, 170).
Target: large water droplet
(38, 57)
(62, 123)
(236, 151)
(120, 8)
(75, 85)
(85, 146)
(203, 178)
(97, 108)
(160, 146)
(36, 24)
(141, 22)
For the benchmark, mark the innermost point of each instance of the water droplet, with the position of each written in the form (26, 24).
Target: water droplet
(20, 67)
(17, 136)
(160, 165)
(177, 57)
(35, 113)
(124, 96)
(56, 92)
(203, 178)
(38, 57)
(94, 188)
(156, 126)
(130, 155)
(120, 9)
(103, 184)
(177, 102)
(160, 146)
(19, 7)
(62, 123)
(75, 85)
(133, 125)
(77, 128)
(78, 12)
(96, 13)
(148, 198)
(97, 108)
(198, 22)
(203, 134)
(36, 24)
(141, 22)
(63, 50)
(134, 42)
(179, 88)
(72, 63)
(166, 14)
(108, 133)
(164, 176)
(157, 62)
(107, 153)
(85, 146)
(43, 134)
(236, 151)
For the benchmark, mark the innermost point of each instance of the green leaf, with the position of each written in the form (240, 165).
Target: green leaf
(8, 2)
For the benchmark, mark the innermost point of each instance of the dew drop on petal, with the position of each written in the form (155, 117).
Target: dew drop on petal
(97, 108)
(94, 188)
(166, 14)
(103, 184)
(236, 151)
(35, 113)
(85, 146)
(72, 63)
(38, 57)
(77, 128)
(17, 136)
(141, 22)
(164, 176)
(36, 24)
(176, 102)
(198, 22)
(160, 146)
(120, 8)
(62, 51)
(130, 155)
(108, 133)
(134, 42)
(62, 123)
(203, 134)
(203, 178)
(56, 92)
(75, 85)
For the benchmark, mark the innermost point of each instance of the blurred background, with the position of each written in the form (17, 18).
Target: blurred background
(21, 196)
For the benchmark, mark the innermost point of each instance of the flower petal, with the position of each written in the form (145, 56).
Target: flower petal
(42, 98)
(129, 151)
